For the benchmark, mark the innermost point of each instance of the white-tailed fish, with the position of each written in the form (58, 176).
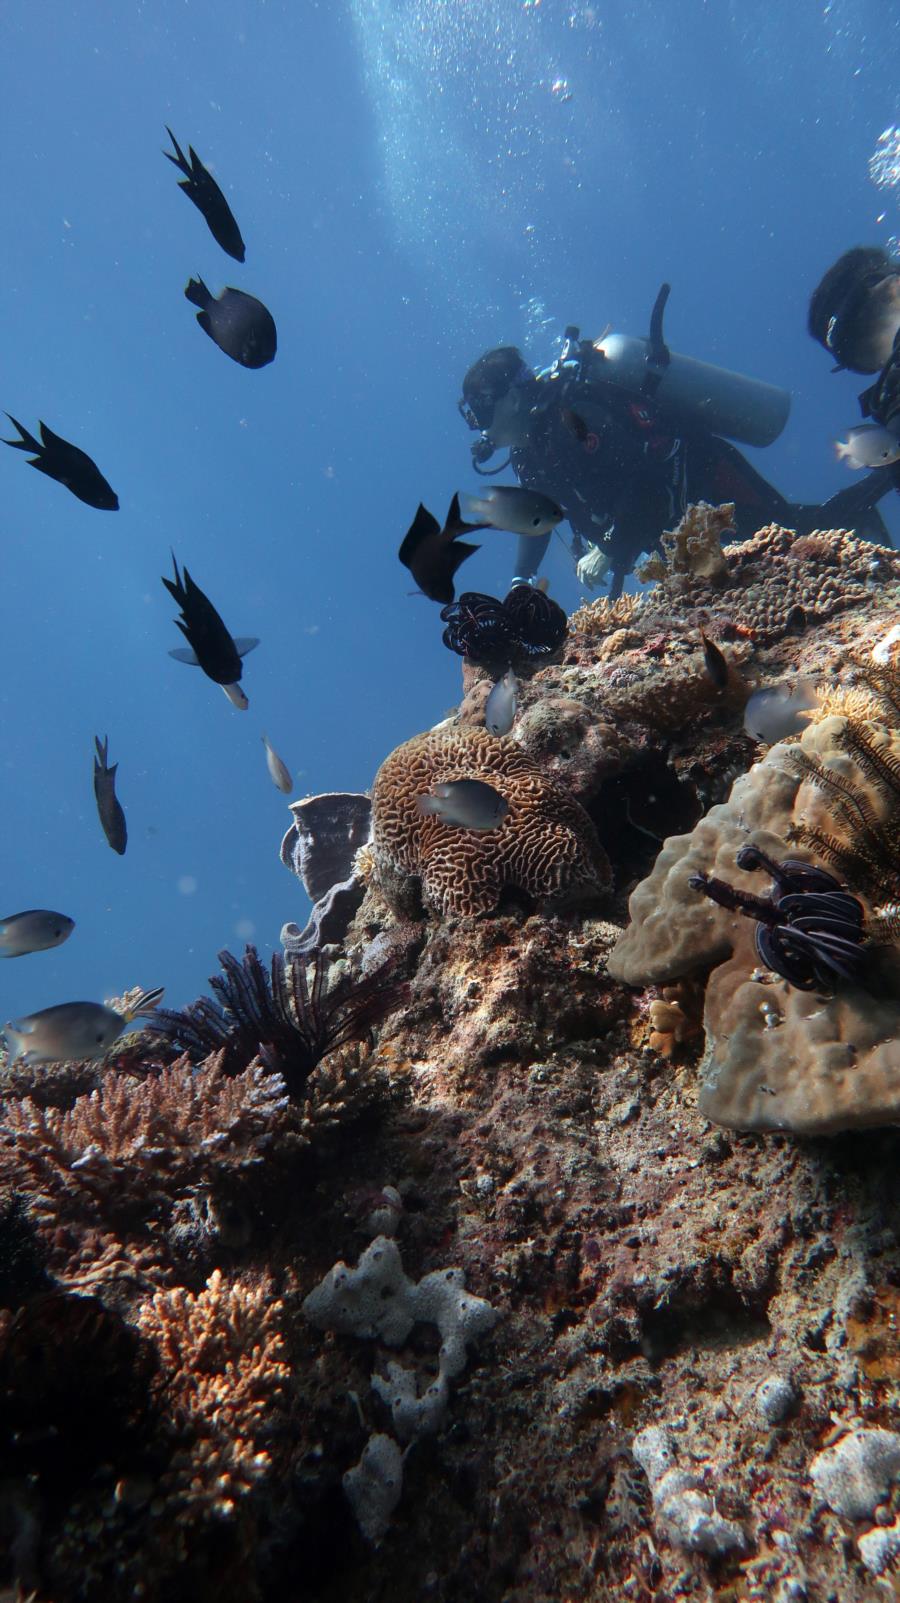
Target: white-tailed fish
(34, 931)
(501, 705)
(210, 644)
(279, 774)
(72, 1032)
(868, 446)
(510, 506)
(465, 803)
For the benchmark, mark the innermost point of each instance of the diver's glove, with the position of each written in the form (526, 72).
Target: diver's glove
(593, 568)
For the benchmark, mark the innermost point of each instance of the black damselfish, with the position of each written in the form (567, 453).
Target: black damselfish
(67, 465)
(212, 647)
(432, 554)
(237, 322)
(200, 187)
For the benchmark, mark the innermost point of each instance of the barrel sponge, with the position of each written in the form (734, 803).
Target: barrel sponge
(545, 846)
(777, 1058)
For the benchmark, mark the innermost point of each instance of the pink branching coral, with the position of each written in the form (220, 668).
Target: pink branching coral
(133, 1146)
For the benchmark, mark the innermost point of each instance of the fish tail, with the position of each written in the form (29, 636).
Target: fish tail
(15, 1043)
(428, 806)
(179, 158)
(197, 293)
(27, 442)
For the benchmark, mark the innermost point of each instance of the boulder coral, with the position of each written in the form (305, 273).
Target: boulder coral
(777, 1058)
(546, 845)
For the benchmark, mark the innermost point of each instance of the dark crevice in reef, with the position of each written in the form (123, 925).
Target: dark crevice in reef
(634, 812)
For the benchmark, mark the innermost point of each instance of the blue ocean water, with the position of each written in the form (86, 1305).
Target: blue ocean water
(415, 181)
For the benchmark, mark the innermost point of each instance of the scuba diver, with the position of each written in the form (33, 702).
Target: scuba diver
(624, 434)
(854, 313)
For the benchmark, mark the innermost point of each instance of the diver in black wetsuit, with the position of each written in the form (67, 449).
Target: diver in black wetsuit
(621, 433)
(854, 312)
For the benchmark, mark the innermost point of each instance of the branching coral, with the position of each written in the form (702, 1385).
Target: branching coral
(131, 1147)
(546, 845)
(290, 1022)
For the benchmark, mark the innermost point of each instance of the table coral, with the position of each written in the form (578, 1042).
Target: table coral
(546, 846)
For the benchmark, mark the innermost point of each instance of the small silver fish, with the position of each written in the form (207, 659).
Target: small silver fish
(778, 711)
(34, 931)
(510, 506)
(71, 1032)
(502, 703)
(868, 446)
(466, 804)
(279, 774)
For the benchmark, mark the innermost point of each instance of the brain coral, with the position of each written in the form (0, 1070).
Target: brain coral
(777, 1058)
(546, 845)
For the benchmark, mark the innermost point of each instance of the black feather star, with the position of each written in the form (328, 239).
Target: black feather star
(526, 623)
(287, 1020)
(811, 934)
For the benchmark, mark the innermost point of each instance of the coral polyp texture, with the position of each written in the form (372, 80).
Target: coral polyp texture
(545, 846)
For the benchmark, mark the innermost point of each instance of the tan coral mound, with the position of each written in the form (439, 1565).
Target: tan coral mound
(777, 1058)
(778, 580)
(545, 846)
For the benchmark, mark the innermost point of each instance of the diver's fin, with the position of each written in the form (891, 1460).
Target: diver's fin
(858, 498)
(27, 442)
(245, 643)
(423, 524)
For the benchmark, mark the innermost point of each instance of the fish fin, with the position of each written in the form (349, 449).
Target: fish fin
(197, 292)
(178, 159)
(50, 439)
(423, 525)
(184, 654)
(244, 643)
(447, 559)
(454, 523)
(101, 761)
(428, 806)
(27, 442)
(176, 587)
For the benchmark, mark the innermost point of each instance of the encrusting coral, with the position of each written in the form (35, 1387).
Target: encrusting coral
(546, 846)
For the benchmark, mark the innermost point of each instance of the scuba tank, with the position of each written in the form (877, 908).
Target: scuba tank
(691, 393)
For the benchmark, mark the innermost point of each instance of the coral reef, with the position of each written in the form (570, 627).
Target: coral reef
(689, 1387)
(545, 847)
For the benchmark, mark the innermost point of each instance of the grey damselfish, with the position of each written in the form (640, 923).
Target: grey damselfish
(510, 506)
(465, 803)
(33, 931)
(501, 705)
(72, 1031)
(278, 772)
